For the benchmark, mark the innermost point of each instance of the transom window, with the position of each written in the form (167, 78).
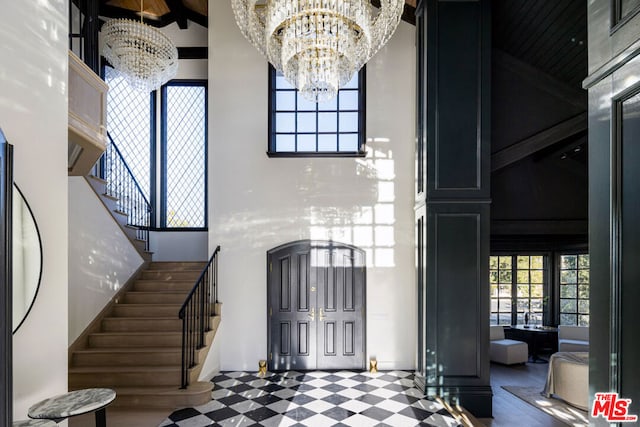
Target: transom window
(517, 285)
(299, 127)
(574, 290)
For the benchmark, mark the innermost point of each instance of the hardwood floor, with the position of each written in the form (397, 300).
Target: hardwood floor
(508, 410)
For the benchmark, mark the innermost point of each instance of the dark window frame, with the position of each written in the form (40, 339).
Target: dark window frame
(547, 268)
(558, 291)
(162, 144)
(271, 145)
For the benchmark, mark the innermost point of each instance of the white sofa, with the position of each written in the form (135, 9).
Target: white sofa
(505, 351)
(573, 338)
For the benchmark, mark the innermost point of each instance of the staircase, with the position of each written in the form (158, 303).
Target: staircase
(137, 350)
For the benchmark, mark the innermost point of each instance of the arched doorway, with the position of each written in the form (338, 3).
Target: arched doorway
(316, 295)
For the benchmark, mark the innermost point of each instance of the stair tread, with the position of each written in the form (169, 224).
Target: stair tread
(133, 333)
(123, 369)
(143, 317)
(95, 178)
(136, 305)
(172, 292)
(164, 281)
(101, 350)
(174, 271)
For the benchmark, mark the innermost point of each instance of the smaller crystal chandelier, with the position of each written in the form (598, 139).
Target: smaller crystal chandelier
(144, 55)
(318, 45)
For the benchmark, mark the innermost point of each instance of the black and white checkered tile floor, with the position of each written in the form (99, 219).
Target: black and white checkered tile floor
(345, 398)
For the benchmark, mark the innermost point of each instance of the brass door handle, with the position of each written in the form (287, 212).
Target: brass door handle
(322, 316)
(312, 315)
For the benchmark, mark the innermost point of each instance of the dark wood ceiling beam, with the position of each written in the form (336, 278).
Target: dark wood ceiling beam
(197, 18)
(408, 13)
(178, 13)
(116, 12)
(540, 79)
(539, 141)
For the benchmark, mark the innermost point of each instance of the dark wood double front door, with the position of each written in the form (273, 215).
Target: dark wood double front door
(316, 306)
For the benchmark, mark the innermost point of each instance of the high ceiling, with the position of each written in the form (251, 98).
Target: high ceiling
(160, 13)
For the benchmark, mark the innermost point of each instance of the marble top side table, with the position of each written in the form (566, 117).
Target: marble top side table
(75, 403)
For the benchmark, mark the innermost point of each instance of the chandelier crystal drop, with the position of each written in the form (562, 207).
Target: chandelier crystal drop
(318, 45)
(145, 56)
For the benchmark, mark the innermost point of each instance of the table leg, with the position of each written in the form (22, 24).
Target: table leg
(101, 417)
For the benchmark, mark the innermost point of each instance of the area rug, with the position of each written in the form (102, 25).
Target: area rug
(556, 408)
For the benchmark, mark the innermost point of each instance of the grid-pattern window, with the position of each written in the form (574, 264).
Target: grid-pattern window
(517, 288)
(130, 124)
(298, 126)
(530, 288)
(501, 279)
(574, 290)
(184, 145)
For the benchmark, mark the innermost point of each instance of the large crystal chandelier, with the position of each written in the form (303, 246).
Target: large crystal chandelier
(318, 45)
(142, 54)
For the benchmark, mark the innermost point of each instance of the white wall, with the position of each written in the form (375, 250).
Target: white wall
(101, 257)
(33, 115)
(179, 245)
(194, 36)
(258, 203)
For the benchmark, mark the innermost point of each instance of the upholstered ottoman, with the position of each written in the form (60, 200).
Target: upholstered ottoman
(506, 351)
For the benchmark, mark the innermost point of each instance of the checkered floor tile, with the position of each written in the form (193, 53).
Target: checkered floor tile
(357, 399)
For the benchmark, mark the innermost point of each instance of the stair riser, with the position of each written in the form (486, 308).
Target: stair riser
(141, 325)
(155, 286)
(123, 379)
(161, 401)
(173, 358)
(126, 310)
(159, 266)
(110, 341)
(170, 275)
(155, 298)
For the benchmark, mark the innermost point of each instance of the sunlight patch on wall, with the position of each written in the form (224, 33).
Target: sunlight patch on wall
(370, 227)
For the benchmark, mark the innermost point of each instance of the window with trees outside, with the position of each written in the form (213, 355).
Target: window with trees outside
(517, 285)
(299, 127)
(574, 289)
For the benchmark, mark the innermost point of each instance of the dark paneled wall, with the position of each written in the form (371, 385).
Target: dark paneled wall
(452, 215)
(614, 201)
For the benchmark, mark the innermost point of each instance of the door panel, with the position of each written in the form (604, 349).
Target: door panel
(340, 273)
(316, 296)
(292, 314)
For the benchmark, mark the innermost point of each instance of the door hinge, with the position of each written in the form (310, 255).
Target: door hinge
(270, 311)
(270, 356)
(270, 266)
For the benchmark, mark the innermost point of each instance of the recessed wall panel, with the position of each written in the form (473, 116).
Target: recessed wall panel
(349, 339)
(457, 272)
(285, 338)
(329, 338)
(285, 285)
(303, 338)
(303, 282)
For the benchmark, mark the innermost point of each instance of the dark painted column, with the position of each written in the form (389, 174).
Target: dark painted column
(452, 210)
(6, 283)
(614, 203)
